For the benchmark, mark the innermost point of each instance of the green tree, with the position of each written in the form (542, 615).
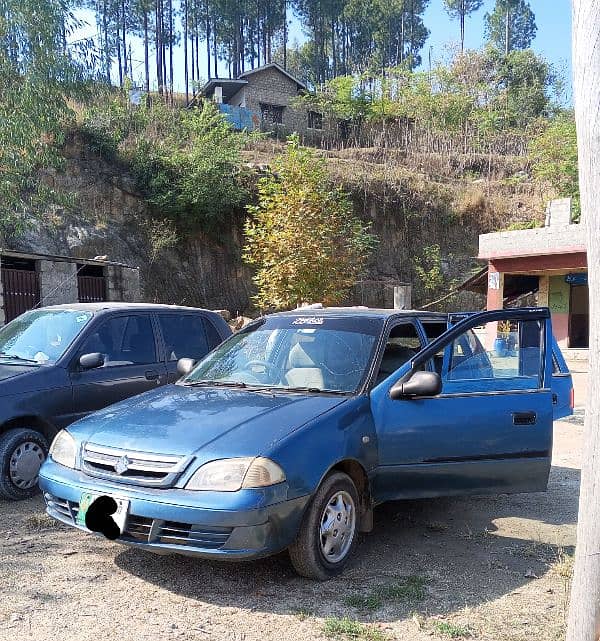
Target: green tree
(302, 236)
(459, 10)
(38, 72)
(553, 155)
(511, 25)
(186, 161)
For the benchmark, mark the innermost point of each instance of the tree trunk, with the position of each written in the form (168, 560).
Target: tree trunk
(107, 55)
(146, 52)
(124, 36)
(584, 613)
(463, 11)
(170, 8)
(185, 52)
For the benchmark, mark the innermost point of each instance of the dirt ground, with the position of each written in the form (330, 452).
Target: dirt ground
(485, 568)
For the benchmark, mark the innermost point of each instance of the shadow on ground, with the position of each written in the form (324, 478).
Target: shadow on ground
(467, 551)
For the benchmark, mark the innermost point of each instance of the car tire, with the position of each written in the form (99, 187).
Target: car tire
(329, 529)
(22, 452)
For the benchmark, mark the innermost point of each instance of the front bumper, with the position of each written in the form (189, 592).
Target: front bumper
(168, 521)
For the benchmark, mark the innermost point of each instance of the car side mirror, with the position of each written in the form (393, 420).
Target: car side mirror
(419, 384)
(91, 361)
(185, 366)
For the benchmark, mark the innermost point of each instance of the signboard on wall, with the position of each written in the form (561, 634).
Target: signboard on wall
(577, 279)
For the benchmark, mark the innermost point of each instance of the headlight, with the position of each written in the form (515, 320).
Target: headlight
(232, 474)
(63, 449)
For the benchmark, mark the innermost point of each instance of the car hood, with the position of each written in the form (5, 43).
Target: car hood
(219, 422)
(8, 374)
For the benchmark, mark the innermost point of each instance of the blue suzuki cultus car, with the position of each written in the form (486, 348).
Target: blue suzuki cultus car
(292, 430)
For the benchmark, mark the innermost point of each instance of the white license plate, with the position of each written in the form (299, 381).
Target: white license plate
(119, 517)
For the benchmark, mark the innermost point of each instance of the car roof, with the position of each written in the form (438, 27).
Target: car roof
(117, 306)
(363, 312)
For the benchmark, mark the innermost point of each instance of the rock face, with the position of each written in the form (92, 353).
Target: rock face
(110, 218)
(419, 235)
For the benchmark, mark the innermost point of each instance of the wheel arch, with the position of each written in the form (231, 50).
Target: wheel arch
(47, 429)
(356, 471)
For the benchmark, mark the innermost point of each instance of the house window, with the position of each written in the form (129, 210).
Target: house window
(315, 120)
(271, 114)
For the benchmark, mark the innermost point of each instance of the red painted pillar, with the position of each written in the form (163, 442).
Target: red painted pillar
(495, 291)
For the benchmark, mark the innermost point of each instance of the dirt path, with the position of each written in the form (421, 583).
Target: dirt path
(489, 568)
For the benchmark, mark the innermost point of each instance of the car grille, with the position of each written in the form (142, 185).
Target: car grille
(66, 509)
(139, 529)
(126, 466)
(146, 530)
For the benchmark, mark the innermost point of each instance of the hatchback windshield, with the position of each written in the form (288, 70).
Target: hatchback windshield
(41, 336)
(313, 353)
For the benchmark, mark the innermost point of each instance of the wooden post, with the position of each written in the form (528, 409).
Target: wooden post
(584, 612)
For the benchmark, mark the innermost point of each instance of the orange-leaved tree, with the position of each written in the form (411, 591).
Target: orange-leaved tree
(302, 236)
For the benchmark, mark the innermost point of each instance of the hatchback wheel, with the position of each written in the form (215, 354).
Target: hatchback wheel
(22, 452)
(329, 529)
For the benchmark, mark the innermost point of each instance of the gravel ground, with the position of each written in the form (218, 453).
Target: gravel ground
(486, 568)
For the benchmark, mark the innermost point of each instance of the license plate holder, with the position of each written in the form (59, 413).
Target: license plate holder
(119, 517)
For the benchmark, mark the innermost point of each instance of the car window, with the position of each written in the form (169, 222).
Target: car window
(498, 350)
(402, 344)
(306, 351)
(213, 337)
(433, 330)
(41, 336)
(123, 340)
(184, 336)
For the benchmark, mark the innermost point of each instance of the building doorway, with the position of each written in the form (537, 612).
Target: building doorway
(20, 285)
(579, 317)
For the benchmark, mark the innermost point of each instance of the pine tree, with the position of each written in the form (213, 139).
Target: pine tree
(459, 10)
(511, 25)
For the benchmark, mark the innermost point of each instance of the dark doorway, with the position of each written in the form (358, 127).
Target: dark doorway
(91, 283)
(20, 284)
(579, 317)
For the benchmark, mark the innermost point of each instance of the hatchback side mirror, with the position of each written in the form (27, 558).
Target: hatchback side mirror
(419, 384)
(185, 366)
(91, 361)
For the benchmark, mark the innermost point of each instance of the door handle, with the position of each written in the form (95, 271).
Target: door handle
(152, 375)
(524, 418)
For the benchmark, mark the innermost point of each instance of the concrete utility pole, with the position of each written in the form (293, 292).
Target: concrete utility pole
(584, 612)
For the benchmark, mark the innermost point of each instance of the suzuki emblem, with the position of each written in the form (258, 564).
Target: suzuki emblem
(122, 465)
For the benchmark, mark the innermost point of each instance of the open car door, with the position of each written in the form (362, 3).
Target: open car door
(489, 429)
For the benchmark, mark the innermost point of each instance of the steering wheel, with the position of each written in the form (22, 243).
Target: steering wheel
(270, 370)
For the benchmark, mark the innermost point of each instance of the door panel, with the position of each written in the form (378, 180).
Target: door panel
(131, 365)
(490, 430)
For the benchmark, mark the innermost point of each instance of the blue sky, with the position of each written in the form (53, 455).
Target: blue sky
(553, 40)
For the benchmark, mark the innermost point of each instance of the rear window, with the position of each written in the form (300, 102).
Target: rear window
(184, 336)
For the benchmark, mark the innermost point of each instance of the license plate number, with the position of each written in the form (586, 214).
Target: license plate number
(119, 517)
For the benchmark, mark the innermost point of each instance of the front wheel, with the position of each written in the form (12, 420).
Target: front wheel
(22, 452)
(329, 529)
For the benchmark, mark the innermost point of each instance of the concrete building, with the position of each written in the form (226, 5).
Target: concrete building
(547, 267)
(35, 280)
(263, 99)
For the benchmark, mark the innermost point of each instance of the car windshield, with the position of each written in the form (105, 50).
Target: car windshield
(304, 353)
(41, 336)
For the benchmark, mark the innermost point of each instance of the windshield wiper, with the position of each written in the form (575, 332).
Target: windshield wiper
(17, 358)
(312, 390)
(215, 384)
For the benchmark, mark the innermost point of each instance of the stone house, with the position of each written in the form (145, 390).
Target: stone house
(263, 99)
(32, 280)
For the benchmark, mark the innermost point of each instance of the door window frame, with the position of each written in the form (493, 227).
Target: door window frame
(469, 321)
(97, 323)
(385, 336)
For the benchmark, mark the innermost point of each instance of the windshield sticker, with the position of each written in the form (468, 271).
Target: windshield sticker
(308, 320)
